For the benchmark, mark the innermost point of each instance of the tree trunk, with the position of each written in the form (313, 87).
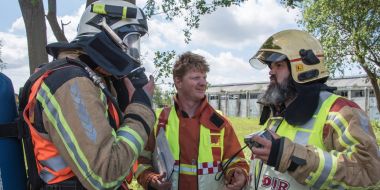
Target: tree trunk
(373, 79)
(52, 18)
(34, 19)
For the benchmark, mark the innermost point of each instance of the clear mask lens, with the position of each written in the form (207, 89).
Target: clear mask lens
(263, 58)
(132, 41)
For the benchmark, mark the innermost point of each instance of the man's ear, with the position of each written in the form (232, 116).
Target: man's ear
(177, 82)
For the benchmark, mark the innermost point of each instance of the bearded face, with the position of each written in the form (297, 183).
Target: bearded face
(278, 92)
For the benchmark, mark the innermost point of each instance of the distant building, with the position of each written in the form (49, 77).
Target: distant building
(240, 99)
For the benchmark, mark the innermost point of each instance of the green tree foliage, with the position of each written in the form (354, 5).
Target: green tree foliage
(349, 32)
(162, 97)
(190, 10)
(163, 61)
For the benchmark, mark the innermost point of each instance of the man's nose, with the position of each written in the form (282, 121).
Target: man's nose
(203, 81)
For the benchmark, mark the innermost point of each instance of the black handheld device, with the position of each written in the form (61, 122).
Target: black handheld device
(251, 143)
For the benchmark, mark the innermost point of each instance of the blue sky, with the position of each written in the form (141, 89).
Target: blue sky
(227, 38)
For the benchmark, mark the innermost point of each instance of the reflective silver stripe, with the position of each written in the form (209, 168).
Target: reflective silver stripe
(82, 113)
(323, 95)
(191, 170)
(277, 121)
(185, 169)
(325, 172)
(56, 163)
(309, 124)
(346, 140)
(56, 117)
(337, 121)
(363, 119)
(130, 137)
(46, 176)
(302, 137)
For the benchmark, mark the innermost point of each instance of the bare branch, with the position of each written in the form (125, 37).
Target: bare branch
(52, 18)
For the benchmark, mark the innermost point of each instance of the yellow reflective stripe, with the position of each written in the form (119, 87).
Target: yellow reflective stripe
(340, 125)
(104, 100)
(124, 15)
(333, 167)
(172, 133)
(325, 172)
(257, 167)
(235, 160)
(98, 8)
(132, 138)
(338, 185)
(141, 168)
(205, 152)
(222, 143)
(312, 178)
(54, 114)
(135, 135)
(188, 169)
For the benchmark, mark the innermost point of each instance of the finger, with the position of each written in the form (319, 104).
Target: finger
(129, 86)
(151, 78)
(274, 135)
(161, 176)
(263, 141)
(149, 87)
(260, 151)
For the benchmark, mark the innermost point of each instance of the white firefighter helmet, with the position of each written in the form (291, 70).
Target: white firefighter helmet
(109, 35)
(118, 17)
(304, 52)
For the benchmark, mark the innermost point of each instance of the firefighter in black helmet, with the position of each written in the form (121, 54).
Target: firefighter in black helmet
(89, 111)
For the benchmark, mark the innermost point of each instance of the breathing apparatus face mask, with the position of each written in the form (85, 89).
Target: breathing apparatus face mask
(130, 41)
(118, 56)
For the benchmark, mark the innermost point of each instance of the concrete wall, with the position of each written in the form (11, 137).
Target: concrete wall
(244, 104)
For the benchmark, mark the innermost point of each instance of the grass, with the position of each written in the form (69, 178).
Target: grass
(245, 126)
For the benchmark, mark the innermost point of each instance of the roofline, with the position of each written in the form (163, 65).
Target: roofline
(266, 82)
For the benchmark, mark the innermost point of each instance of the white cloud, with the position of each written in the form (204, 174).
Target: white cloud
(227, 38)
(15, 54)
(244, 26)
(226, 68)
(18, 25)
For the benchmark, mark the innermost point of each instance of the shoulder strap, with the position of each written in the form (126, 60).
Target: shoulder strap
(34, 181)
(163, 119)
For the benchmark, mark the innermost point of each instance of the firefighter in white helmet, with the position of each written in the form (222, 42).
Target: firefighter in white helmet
(89, 110)
(311, 137)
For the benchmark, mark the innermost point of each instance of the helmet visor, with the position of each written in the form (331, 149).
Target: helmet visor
(265, 58)
(132, 41)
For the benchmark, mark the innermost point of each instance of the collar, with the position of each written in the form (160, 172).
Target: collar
(182, 113)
